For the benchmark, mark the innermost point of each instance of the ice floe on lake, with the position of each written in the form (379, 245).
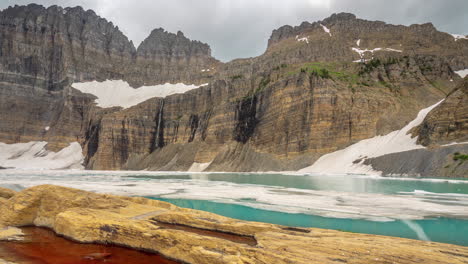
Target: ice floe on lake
(183, 185)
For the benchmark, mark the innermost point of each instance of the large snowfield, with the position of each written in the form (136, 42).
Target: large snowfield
(34, 155)
(343, 161)
(113, 93)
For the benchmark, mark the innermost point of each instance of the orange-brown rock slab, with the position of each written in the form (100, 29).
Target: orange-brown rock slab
(133, 222)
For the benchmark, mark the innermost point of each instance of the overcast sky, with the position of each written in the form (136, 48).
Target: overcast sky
(241, 28)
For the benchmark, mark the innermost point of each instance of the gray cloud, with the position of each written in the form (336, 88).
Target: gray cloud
(241, 28)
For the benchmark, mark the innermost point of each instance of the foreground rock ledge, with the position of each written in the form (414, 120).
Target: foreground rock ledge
(181, 234)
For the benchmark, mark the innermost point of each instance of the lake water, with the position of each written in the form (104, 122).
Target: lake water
(426, 209)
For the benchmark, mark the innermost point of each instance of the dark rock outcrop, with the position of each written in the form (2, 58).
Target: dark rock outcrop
(431, 163)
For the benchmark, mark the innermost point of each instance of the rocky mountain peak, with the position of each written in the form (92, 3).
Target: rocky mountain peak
(64, 45)
(340, 17)
(288, 31)
(163, 43)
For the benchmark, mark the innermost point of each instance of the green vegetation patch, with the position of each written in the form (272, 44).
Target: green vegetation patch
(457, 156)
(326, 70)
(279, 67)
(236, 77)
(375, 63)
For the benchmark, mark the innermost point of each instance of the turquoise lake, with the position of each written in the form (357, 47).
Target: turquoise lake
(425, 209)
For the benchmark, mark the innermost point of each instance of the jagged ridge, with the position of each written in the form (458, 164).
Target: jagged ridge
(281, 110)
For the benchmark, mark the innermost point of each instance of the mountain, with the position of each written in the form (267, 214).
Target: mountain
(441, 129)
(318, 88)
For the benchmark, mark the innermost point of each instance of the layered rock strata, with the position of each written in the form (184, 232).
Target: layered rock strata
(448, 123)
(192, 236)
(444, 132)
(280, 111)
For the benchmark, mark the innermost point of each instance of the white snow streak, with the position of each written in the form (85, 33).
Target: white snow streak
(358, 42)
(34, 155)
(326, 30)
(113, 93)
(457, 36)
(361, 52)
(199, 167)
(47, 128)
(305, 39)
(342, 161)
(462, 73)
(455, 143)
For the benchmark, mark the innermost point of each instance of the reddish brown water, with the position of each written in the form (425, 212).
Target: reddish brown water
(44, 247)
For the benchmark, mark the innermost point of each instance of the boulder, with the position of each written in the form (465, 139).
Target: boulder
(6, 193)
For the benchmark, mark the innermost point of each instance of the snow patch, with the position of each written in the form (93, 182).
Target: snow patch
(361, 52)
(462, 73)
(351, 159)
(113, 93)
(358, 42)
(199, 167)
(455, 143)
(457, 36)
(205, 70)
(326, 30)
(34, 155)
(47, 128)
(305, 39)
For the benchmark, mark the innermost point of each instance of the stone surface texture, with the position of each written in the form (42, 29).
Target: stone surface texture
(133, 222)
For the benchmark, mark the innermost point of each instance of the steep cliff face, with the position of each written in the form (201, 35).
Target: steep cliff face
(281, 121)
(447, 123)
(444, 133)
(44, 50)
(52, 47)
(306, 96)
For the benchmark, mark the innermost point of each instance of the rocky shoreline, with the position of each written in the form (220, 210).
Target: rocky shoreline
(191, 236)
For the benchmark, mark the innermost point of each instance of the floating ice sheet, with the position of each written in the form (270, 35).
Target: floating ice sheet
(339, 204)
